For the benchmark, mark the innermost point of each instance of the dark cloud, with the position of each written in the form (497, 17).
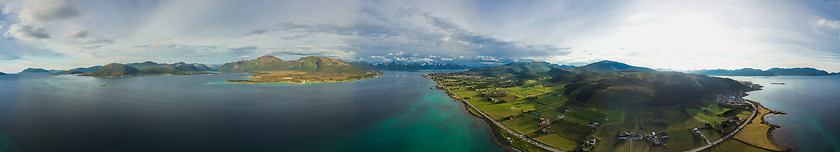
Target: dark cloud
(243, 50)
(48, 10)
(257, 32)
(85, 40)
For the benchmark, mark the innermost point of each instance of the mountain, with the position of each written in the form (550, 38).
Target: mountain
(304, 64)
(34, 70)
(142, 64)
(646, 88)
(114, 70)
(393, 66)
(759, 72)
(606, 66)
(798, 71)
(835, 73)
(191, 67)
(81, 70)
(270, 69)
(364, 65)
(180, 66)
(123, 70)
(214, 67)
(738, 72)
(1, 73)
(519, 68)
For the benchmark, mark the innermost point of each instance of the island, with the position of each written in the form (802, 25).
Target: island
(1, 73)
(310, 69)
(116, 70)
(608, 106)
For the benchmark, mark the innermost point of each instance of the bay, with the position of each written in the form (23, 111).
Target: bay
(396, 112)
(811, 104)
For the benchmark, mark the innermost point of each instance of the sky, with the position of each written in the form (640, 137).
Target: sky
(677, 35)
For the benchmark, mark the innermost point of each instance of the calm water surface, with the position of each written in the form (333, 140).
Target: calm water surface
(396, 112)
(812, 104)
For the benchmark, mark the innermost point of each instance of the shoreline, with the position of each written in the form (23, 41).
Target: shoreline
(773, 127)
(497, 138)
(297, 81)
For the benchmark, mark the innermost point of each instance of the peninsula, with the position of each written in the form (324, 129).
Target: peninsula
(310, 69)
(604, 106)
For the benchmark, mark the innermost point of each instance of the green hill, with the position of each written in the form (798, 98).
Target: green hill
(606, 66)
(180, 66)
(519, 68)
(304, 64)
(530, 70)
(646, 88)
(122, 70)
(114, 70)
(270, 69)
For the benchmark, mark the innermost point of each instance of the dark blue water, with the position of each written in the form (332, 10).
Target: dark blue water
(396, 112)
(812, 103)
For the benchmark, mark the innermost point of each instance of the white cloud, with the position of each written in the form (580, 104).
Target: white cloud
(26, 32)
(77, 34)
(828, 23)
(421, 60)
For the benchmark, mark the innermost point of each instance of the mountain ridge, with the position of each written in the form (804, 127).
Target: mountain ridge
(803, 71)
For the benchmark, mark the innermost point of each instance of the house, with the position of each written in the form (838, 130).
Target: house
(593, 124)
(623, 137)
(697, 132)
(592, 141)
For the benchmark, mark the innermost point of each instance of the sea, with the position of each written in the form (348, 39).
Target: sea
(395, 112)
(812, 107)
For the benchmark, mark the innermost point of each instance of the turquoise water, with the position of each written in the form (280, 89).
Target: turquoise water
(811, 104)
(396, 112)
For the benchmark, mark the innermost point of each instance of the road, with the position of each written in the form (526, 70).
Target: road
(500, 125)
(704, 138)
(721, 139)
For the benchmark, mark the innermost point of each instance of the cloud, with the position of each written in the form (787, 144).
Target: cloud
(827, 27)
(47, 10)
(256, 32)
(26, 32)
(77, 34)
(81, 37)
(828, 23)
(309, 52)
(679, 33)
(243, 50)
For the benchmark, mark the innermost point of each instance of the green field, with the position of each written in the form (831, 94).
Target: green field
(734, 145)
(755, 133)
(502, 98)
(558, 142)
